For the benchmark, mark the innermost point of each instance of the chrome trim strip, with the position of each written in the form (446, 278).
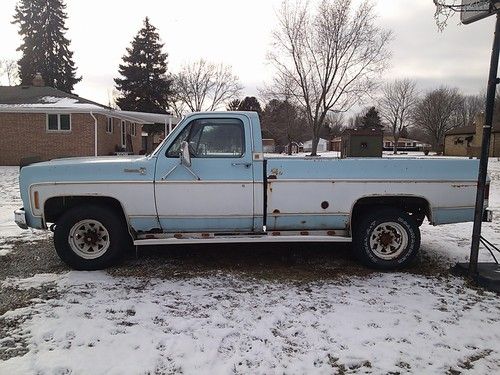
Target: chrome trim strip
(273, 181)
(242, 239)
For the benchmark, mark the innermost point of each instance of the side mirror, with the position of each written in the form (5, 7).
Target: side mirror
(185, 156)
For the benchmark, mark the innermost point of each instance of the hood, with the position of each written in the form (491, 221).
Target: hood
(91, 160)
(90, 169)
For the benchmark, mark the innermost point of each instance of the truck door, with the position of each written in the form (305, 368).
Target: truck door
(214, 194)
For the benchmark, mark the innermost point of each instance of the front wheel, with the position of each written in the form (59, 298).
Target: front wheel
(387, 238)
(90, 237)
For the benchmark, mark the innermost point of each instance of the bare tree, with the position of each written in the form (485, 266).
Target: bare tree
(472, 105)
(204, 86)
(399, 97)
(437, 113)
(8, 68)
(328, 57)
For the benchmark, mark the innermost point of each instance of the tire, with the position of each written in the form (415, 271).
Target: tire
(107, 237)
(386, 238)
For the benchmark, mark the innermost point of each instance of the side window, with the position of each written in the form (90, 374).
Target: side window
(212, 138)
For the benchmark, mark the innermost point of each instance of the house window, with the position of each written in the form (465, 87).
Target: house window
(58, 122)
(109, 125)
(387, 144)
(133, 129)
(123, 132)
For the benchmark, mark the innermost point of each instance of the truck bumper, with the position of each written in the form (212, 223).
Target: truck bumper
(20, 218)
(487, 216)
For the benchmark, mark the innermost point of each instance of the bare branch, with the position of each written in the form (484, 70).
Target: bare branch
(204, 86)
(399, 98)
(9, 69)
(327, 59)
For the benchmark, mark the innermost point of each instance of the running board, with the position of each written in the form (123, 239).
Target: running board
(240, 239)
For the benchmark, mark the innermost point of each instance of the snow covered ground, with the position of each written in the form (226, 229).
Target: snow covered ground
(10, 200)
(230, 322)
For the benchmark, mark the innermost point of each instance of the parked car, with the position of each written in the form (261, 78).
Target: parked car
(208, 181)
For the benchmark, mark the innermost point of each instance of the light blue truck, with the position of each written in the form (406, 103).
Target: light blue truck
(209, 181)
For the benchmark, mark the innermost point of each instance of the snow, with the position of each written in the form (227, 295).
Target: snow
(227, 322)
(55, 102)
(10, 200)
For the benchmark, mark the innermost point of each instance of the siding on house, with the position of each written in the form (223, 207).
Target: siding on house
(467, 140)
(25, 134)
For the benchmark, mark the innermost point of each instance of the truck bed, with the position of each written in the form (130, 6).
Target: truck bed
(302, 192)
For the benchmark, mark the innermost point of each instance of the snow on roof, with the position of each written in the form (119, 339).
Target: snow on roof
(54, 102)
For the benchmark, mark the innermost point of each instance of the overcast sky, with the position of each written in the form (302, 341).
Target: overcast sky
(238, 33)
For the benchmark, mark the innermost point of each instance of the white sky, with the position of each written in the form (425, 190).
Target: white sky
(238, 32)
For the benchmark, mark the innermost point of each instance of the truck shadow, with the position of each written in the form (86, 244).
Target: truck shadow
(276, 261)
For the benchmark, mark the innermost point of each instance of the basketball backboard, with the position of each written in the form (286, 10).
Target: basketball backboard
(475, 10)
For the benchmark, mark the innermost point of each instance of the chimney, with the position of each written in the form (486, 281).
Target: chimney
(38, 80)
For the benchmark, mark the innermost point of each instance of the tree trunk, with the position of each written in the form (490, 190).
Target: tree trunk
(289, 148)
(314, 147)
(396, 139)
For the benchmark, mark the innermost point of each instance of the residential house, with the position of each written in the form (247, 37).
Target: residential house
(404, 144)
(467, 140)
(323, 145)
(46, 123)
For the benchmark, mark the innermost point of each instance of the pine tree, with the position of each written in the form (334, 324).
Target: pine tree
(371, 119)
(250, 103)
(233, 105)
(145, 86)
(45, 49)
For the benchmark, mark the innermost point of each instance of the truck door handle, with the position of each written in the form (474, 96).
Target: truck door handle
(141, 170)
(246, 165)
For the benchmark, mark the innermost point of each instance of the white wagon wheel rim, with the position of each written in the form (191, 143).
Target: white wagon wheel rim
(89, 239)
(388, 240)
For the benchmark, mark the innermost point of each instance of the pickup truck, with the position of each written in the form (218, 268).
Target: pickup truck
(209, 181)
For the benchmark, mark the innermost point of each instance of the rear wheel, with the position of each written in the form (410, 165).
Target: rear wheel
(90, 238)
(386, 238)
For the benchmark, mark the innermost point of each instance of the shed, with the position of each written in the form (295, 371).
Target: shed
(362, 143)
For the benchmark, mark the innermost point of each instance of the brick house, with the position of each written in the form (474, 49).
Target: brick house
(467, 140)
(47, 123)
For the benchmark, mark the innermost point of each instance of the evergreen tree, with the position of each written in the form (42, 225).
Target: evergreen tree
(371, 119)
(45, 49)
(233, 105)
(145, 86)
(250, 103)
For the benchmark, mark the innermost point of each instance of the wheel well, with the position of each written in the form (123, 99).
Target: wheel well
(56, 206)
(416, 207)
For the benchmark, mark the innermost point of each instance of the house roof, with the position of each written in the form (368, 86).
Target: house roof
(401, 139)
(49, 99)
(471, 129)
(42, 96)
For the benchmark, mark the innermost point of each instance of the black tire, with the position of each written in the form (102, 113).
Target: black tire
(114, 243)
(387, 246)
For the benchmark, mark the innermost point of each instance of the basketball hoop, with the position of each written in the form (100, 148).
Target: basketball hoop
(470, 10)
